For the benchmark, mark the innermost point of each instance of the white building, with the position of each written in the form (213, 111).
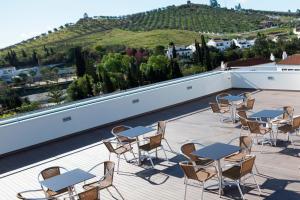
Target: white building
(296, 31)
(6, 74)
(290, 63)
(242, 43)
(181, 51)
(221, 44)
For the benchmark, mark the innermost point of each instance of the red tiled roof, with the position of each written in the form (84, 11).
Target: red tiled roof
(248, 62)
(291, 60)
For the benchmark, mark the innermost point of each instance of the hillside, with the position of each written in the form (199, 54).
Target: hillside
(147, 29)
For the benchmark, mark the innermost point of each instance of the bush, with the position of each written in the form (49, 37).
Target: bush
(193, 70)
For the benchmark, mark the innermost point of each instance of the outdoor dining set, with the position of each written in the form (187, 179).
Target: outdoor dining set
(202, 163)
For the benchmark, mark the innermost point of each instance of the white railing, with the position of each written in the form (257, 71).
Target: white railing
(42, 126)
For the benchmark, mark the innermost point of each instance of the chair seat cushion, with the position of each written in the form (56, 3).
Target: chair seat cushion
(286, 128)
(236, 157)
(123, 149)
(204, 175)
(52, 193)
(100, 184)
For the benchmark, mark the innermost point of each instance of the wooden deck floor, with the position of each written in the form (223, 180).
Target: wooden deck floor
(279, 173)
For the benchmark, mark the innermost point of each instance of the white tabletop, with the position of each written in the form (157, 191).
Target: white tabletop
(66, 180)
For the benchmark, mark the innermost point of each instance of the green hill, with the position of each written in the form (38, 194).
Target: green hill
(180, 24)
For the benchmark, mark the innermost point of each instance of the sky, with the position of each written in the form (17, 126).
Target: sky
(23, 19)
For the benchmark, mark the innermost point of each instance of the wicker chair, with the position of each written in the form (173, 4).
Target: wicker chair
(287, 116)
(91, 194)
(291, 128)
(121, 139)
(222, 102)
(236, 173)
(246, 146)
(192, 173)
(120, 150)
(260, 132)
(106, 181)
(23, 195)
(51, 172)
(248, 105)
(153, 143)
(161, 129)
(219, 111)
(187, 150)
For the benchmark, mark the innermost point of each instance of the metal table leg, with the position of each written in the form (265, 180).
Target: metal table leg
(220, 178)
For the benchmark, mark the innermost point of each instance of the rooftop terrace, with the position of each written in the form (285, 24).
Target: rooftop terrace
(279, 173)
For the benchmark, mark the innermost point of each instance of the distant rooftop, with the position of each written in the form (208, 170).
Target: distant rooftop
(291, 60)
(248, 62)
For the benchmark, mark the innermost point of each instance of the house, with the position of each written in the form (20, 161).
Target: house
(289, 63)
(221, 44)
(296, 31)
(251, 64)
(181, 51)
(243, 43)
(6, 74)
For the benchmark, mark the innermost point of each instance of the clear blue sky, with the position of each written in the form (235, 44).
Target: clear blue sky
(22, 19)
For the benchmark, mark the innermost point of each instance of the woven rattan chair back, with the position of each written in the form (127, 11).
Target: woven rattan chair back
(161, 128)
(187, 150)
(50, 172)
(247, 166)
(288, 113)
(250, 103)
(243, 118)
(221, 101)
(254, 127)
(92, 194)
(296, 122)
(246, 144)
(155, 141)
(109, 146)
(109, 168)
(214, 107)
(188, 170)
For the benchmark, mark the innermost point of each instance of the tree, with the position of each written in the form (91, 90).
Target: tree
(35, 59)
(159, 50)
(81, 88)
(9, 99)
(156, 69)
(175, 69)
(214, 4)
(206, 54)
(12, 58)
(108, 86)
(198, 55)
(261, 46)
(55, 95)
(80, 62)
(24, 54)
(238, 7)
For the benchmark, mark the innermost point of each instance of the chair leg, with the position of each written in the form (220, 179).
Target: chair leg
(118, 164)
(109, 156)
(118, 191)
(165, 153)
(131, 151)
(169, 145)
(256, 169)
(256, 184)
(125, 157)
(150, 159)
(202, 185)
(240, 190)
(185, 190)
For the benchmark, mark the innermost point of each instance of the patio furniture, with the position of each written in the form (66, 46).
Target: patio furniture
(153, 144)
(106, 181)
(200, 175)
(91, 194)
(249, 104)
(24, 195)
(136, 132)
(61, 183)
(161, 129)
(256, 128)
(245, 143)
(234, 101)
(217, 152)
(116, 132)
(291, 128)
(287, 116)
(243, 119)
(188, 149)
(49, 173)
(219, 111)
(223, 103)
(267, 114)
(120, 150)
(236, 173)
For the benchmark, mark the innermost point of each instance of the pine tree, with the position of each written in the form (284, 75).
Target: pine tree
(35, 59)
(206, 54)
(80, 62)
(24, 53)
(108, 84)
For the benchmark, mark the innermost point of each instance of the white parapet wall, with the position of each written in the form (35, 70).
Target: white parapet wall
(35, 128)
(269, 80)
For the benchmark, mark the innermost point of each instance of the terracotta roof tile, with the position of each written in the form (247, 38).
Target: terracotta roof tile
(248, 62)
(291, 60)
